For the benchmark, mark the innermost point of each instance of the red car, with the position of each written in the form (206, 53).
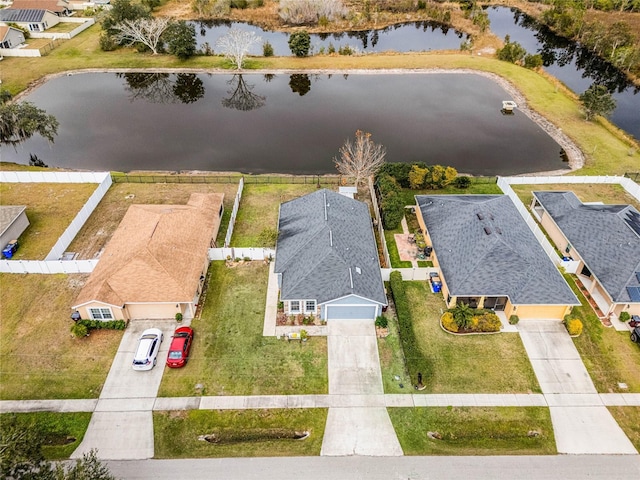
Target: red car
(180, 346)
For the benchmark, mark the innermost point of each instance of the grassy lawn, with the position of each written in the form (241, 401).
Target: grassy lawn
(38, 357)
(610, 356)
(474, 430)
(230, 355)
(62, 432)
(463, 364)
(259, 209)
(50, 209)
(394, 371)
(176, 433)
(592, 192)
(104, 220)
(629, 420)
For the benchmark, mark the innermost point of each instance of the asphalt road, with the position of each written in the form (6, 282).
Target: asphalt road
(565, 467)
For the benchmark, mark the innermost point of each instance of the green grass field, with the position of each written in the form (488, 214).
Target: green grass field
(176, 433)
(231, 357)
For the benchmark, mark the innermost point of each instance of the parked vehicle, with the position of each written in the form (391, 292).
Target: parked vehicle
(635, 335)
(147, 350)
(180, 347)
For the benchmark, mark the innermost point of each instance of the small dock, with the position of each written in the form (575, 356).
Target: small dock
(508, 106)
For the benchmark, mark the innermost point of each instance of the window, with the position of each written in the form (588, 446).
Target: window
(310, 306)
(294, 306)
(101, 313)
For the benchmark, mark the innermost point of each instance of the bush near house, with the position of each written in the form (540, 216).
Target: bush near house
(624, 316)
(103, 325)
(482, 321)
(574, 326)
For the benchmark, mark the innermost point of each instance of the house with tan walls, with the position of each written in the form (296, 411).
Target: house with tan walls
(604, 239)
(155, 264)
(32, 20)
(489, 258)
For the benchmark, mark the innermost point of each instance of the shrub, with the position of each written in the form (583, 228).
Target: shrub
(78, 330)
(624, 316)
(300, 43)
(533, 61)
(103, 325)
(448, 322)
(514, 319)
(462, 182)
(574, 326)
(346, 50)
(267, 49)
(381, 322)
(511, 52)
(179, 317)
(488, 322)
(107, 44)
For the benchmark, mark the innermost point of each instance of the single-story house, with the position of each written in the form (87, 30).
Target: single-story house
(60, 7)
(13, 221)
(155, 264)
(604, 239)
(10, 37)
(327, 260)
(29, 19)
(489, 258)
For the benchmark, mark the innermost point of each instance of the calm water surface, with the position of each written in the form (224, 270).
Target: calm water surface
(282, 123)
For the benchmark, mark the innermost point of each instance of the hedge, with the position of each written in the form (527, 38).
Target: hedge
(103, 325)
(407, 336)
(574, 326)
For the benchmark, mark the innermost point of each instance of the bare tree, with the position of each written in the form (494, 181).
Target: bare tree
(235, 45)
(241, 97)
(361, 158)
(141, 30)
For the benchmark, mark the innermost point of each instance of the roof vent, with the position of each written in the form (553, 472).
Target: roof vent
(330, 238)
(487, 230)
(480, 216)
(358, 270)
(498, 230)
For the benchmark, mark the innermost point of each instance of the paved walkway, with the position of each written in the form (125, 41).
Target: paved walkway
(354, 369)
(585, 426)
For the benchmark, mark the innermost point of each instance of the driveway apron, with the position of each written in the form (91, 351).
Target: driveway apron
(581, 422)
(121, 427)
(354, 369)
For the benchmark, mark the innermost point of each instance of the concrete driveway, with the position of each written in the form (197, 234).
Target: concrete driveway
(121, 426)
(354, 368)
(581, 422)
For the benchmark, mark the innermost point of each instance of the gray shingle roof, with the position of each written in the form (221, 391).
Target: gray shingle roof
(323, 237)
(602, 236)
(21, 15)
(8, 214)
(507, 261)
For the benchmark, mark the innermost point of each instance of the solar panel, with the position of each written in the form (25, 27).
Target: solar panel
(634, 293)
(633, 220)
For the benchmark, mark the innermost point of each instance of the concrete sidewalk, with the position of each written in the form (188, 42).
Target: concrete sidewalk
(354, 369)
(587, 428)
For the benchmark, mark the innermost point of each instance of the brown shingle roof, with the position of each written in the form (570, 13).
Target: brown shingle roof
(156, 254)
(56, 6)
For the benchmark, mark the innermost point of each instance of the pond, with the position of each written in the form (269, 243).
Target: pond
(405, 37)
(282, 123)
(570, 63)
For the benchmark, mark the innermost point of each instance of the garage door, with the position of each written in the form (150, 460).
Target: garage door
(351, 312)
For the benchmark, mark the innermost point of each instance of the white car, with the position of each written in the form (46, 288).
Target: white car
(147, 350)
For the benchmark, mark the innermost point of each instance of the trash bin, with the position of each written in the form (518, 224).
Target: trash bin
(10, 249)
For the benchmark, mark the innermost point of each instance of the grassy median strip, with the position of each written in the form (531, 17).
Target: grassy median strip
(38, 357)
(50, 209)
(231, 357)
(474, 430)
(629, 420)
(451, 363)
(610, 356)
(61, 432)
(242, 433)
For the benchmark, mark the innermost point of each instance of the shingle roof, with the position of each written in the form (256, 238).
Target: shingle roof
(603, 236)
(484, 247)
(156, 254)
(21, 15)
(8, 214)
(324, 238)
(51, 5)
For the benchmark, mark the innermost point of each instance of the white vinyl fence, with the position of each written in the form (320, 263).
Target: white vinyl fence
(241, 253)
(234, 213)
(52, 263)
(408, 274)
(376, 210)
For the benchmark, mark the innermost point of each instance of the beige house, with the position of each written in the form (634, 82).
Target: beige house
(155, 264)
(13, 221)
(604, 239)
(32, 20)
(489, 258)
(10, 37)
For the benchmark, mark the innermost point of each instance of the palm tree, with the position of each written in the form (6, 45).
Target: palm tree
(462, 315)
